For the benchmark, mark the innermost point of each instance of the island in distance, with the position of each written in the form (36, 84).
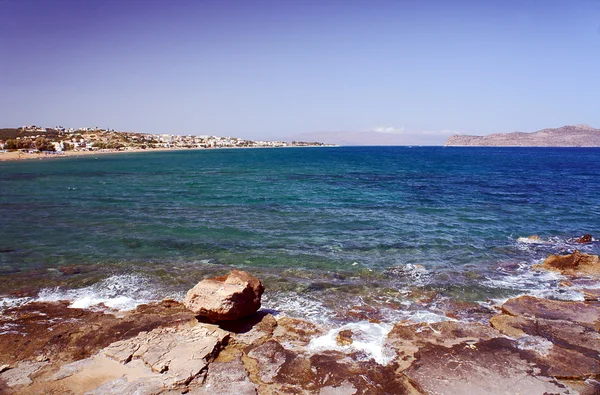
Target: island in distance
(566, 136)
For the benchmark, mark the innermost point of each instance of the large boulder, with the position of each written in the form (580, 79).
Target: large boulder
(574, 264)
(226, 298)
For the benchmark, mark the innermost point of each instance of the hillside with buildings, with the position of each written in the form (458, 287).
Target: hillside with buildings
(566, 136)
(34, 138)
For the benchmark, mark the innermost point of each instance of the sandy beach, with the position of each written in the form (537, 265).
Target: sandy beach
(8, 156)
(17, 155)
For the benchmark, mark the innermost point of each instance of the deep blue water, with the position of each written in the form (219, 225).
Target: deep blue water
(325, 218)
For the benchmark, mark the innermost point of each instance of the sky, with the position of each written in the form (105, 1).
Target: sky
(418, 70)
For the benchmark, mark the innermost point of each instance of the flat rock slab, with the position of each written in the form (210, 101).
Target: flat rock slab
(226, 378)
(19, 375)
(121, 386)
(179, 353)
(278, 370)
(586, 314)
(406, 340)
(567, 334)
(54, 329)
(492, 367)
(561, 348)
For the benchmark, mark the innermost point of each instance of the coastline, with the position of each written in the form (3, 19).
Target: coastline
(106, 239)
(14, 156)
(529, 345)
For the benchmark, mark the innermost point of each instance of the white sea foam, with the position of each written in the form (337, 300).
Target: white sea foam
(368, 338)
(8, 329)
(535, 343)
(119, 292)
(427, 316)
(8, 303)
(534, 243)
(531, 282)
(532, 240)
(418, 274)
(296, 306)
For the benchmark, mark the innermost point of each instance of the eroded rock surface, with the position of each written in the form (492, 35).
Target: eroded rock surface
(535, 346)
(407, 340)
(227, 378)
(585, 314)
(66, 334)
(180, 353)
(561, 336)
(490, 367)
(227, 298)
(20, 374)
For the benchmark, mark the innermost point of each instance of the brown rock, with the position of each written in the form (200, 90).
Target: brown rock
(226, 378)
(250, 331)
(406, 340)
(560, 362)
(344, 338)
(447, 333)
(565, 283)
(231, 297)
(584, 314)
(270, 357)
(295, 332)
(64, 334)
(70, 270)
(591, 294)
(573, 264)
(560, 337)
(566, 334)
(331, 372)
(513, 326)
(489, 367)
(587, 238)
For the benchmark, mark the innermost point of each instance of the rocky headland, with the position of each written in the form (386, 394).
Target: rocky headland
(566, 136)
(218, 341)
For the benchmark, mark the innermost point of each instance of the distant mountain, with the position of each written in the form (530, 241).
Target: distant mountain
(566, 136)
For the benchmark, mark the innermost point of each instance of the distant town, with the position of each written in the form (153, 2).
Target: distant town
(32, 139)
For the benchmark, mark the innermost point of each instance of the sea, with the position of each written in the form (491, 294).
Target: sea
(343, 235)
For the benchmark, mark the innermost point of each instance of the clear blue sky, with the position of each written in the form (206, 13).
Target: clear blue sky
(271, 69)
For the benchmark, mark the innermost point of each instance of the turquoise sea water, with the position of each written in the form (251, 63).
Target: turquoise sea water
(328, 229)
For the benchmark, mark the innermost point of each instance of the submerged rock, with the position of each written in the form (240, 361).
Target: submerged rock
(574, 264)
(529, 239)
(344, 338)
(227, 298)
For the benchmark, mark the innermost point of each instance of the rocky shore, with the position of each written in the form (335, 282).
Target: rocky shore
(218, 341)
